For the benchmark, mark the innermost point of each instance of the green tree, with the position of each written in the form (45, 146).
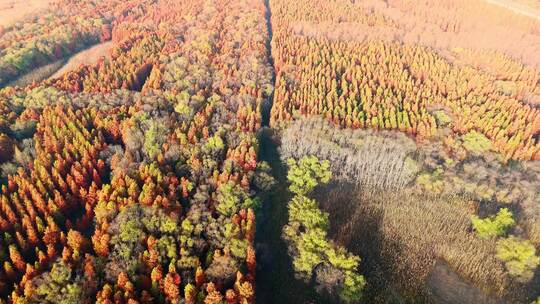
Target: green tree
(307, 173)
(311, 246)
(58, 286)
(231, 198)
(306, 211)
(476, 142)
(154, 138)
(215, 143)
(519, 257)
(493, 226)
(351, 290)
(307, 233)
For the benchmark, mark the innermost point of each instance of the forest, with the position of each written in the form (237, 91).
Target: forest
(270, 151)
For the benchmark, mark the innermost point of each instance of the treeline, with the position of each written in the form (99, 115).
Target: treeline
(388, 85)
(116, 196)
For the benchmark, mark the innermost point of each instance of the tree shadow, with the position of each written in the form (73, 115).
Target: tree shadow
(275, 274)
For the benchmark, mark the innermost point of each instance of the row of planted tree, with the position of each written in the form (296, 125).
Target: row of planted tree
(386, 84)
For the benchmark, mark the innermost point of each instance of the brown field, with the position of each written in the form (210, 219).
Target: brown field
(37, 75)
(87, 57)
(14, 10)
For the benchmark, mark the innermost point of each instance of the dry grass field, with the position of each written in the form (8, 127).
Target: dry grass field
(37, 75)
(14, 10)
(87, 57)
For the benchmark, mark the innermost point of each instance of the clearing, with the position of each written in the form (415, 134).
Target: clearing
(89, 56)
(14, 10)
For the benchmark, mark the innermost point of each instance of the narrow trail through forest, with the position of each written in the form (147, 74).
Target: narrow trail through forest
(275, 275)
(266, 109)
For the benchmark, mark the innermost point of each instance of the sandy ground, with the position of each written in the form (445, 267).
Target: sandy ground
(529, 8)
(88, 57)
(14, 10)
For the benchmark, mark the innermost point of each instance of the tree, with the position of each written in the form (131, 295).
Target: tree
(519, 257)
(223, 268)
(244, 289)
(190, 293)
(230, 297)
(199, 277)
(231, 198)
(156, 275)
(495, 225)
(213, 296)
(476, 142)
(77, 242)
(251, 260)
(170, 286)
(59, 286)
(307, 173)
(16, 258)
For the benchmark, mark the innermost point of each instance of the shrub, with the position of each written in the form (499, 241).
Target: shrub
(222, 268)
(23, 129)
(6, 148)
(327, 278)
(495, 225)
(8, 168)
(519, 257)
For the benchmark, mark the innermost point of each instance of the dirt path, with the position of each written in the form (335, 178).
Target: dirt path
(518, 7)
